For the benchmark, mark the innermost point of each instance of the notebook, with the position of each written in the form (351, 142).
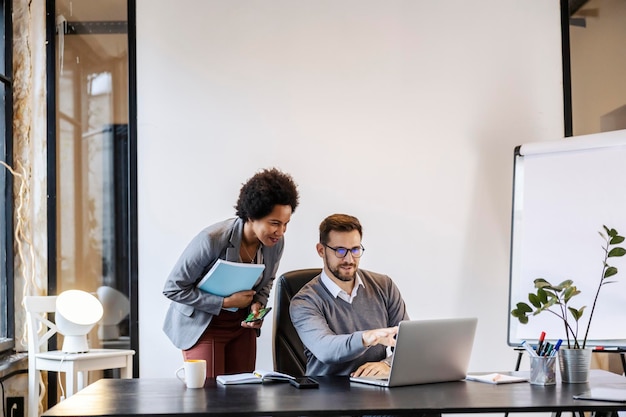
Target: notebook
(604, 394)
(429, 351)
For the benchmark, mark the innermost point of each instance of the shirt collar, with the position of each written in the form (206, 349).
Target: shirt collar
(336, 291)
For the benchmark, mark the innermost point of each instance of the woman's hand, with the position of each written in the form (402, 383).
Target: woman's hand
(241, 299)
(254, 309)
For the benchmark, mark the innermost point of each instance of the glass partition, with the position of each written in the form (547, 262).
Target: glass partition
(92, 170)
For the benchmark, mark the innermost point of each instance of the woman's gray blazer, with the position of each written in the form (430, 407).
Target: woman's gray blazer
(191, 309)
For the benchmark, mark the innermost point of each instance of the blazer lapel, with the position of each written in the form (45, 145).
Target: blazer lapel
(232, 251)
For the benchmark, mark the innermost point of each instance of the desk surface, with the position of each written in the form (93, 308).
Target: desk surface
(336, 396)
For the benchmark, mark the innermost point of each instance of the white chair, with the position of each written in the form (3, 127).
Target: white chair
(76, 366)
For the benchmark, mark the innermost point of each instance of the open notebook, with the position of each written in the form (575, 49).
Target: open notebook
(429, 351)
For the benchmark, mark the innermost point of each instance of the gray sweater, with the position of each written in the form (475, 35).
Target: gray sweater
(331, 329)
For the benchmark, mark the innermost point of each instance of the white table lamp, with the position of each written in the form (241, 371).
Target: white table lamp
(76, 314)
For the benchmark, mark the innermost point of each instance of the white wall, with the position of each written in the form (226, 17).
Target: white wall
(404, 113)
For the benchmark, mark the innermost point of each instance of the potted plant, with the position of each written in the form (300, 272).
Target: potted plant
(555, 299)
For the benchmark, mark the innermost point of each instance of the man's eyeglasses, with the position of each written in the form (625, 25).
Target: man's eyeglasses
(340, 252)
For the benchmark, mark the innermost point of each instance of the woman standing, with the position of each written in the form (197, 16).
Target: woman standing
(196, 321)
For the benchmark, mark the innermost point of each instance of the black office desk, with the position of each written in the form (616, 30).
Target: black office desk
(336, 396)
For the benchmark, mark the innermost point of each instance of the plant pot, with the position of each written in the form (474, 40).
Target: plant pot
(574, 365)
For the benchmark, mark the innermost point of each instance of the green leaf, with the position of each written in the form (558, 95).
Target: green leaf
(520, 314)
(542, 296)
(616, 240)
(617, 252)
(534, 300)
(610, 271)
(563, 285)
(524, 308)
(611, 232)
(551, 296)
(550, 303)
(569, 293)
(577, 314)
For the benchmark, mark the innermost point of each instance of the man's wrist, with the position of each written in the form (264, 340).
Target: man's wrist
(364, 339)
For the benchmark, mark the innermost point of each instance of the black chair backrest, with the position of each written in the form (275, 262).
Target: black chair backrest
(288, 348)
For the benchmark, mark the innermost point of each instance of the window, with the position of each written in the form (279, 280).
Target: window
(6, 181)
(597, 66)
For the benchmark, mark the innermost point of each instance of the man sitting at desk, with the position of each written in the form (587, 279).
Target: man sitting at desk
(346, 316)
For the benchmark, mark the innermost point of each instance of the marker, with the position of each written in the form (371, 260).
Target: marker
(539, 345)
(542, 350)
(556, 347)
(529, 349)
(548, 350)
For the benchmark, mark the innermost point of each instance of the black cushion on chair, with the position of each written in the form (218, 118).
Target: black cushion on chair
(288, 348)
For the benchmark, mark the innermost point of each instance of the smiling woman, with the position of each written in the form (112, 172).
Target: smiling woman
(214, 326)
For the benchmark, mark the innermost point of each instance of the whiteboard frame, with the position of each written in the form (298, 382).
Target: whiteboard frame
(581, 144)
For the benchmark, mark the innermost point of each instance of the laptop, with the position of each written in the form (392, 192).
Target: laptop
(428, 351)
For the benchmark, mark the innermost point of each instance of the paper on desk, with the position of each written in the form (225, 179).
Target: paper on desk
(603, 394)
(496, 378)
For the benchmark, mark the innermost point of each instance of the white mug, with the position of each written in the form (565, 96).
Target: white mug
(195, 373)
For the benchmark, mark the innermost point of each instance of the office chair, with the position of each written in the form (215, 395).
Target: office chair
(76, 366)
(288, 348)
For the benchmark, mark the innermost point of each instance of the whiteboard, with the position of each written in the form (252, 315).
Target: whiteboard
(564, 191)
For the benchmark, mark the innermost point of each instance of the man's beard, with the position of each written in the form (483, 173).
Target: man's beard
(339, 274)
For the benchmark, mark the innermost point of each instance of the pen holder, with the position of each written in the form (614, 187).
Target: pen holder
(543, 370)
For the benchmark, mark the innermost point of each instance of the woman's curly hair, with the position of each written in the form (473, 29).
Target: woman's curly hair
(263, 191)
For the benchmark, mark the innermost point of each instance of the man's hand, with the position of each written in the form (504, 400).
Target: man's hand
(372, 369)
(380, 337)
